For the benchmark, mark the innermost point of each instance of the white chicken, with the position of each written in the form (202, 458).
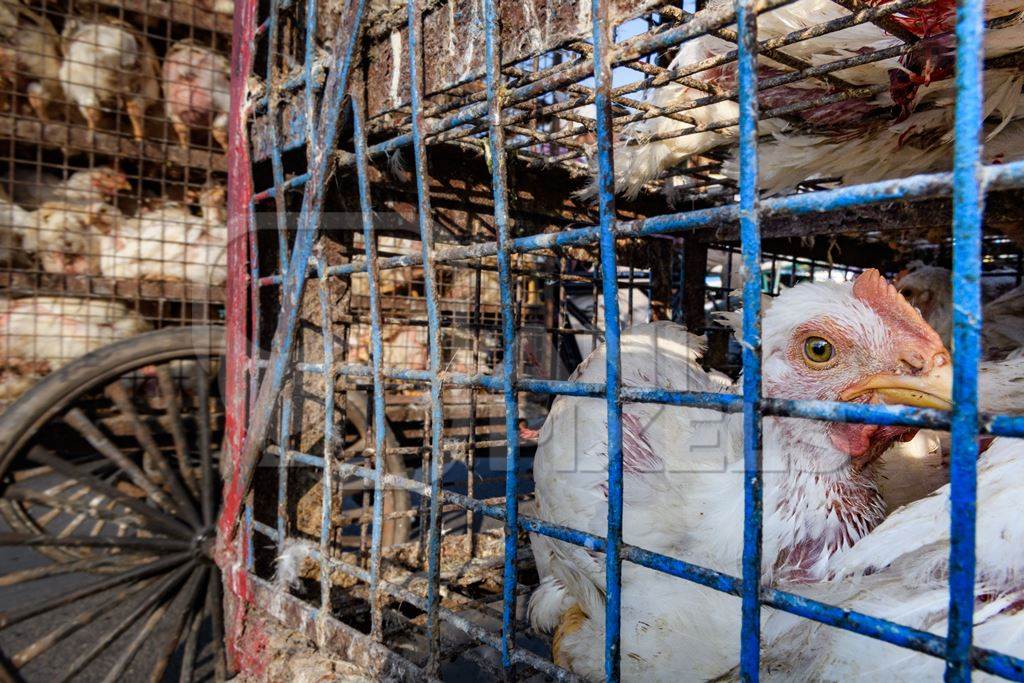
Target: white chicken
(61, 232)
(65, 235)
(197, 90)
(169, 242)
(14, 220)
(29, 55)
(683, 487)
(853, 138)
(218, 6)
(98, 184)
(899, 572)
(40, 334)
(107, 61)
(930, 289)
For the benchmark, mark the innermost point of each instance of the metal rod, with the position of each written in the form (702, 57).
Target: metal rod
(968, 198)
(215, 606)
(499, 185)
(750, 637)
(426, 228)
(188, 655)
(10, 538)
(602, 38)
(322, 141)
(377, 358)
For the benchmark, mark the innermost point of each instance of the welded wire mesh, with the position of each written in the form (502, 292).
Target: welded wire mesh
(113, 175)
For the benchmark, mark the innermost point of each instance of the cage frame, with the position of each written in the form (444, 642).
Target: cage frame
(251, 402)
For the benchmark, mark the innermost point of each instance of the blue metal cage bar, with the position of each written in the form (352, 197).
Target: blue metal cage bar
(967, 183)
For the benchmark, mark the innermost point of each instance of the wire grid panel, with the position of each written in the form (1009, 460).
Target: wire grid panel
(386, 327)
(113, 182)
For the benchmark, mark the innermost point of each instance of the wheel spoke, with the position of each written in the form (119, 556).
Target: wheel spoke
(58, 569)
(155, 616)
(157, 518)
(215, 606)
(76, 622)
(71, 507)
(7, 673)
(119, 395)
(13, 538)
(181, 618)
(91, 433)
(163, 588)
(18, 615)
(177, 428)
(205, 459)
(188, 656)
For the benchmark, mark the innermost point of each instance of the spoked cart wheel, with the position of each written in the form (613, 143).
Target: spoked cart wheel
(109, 487)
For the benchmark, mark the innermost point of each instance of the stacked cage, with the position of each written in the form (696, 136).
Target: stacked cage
(449, 205)
(113, 181)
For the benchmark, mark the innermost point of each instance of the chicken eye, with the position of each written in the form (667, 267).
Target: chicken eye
(818, 350)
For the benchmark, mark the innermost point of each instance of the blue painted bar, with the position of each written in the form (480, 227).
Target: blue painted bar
(510, 371)
(377, 357)
(289, 184)
(283, 462)
(434, 334)
(920, 186)
(968, 199)
(613, 365)
(296, 275)
(1006, 666)
(750, 237)
(327, 483)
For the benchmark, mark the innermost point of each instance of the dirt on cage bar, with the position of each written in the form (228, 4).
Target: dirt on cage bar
(454, 200)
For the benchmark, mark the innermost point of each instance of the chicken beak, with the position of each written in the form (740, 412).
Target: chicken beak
(933, 389)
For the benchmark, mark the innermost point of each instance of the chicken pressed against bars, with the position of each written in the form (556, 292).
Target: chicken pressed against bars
(683, 485)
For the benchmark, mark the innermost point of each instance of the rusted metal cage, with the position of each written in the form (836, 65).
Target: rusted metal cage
(439, 208)
(112, 175)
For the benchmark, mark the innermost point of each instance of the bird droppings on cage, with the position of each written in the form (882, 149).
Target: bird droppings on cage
(113, 186)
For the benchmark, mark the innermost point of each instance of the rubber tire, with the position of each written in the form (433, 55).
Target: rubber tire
(60, 389)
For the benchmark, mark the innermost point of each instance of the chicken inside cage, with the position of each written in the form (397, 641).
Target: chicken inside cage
(113, 180)
(507, 206)
(568, 340)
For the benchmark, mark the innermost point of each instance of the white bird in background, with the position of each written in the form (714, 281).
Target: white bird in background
(64, 237)
(899, 572)
(169, 242)
(904, 129)
(683, 490)
(930, 289)
(197, 90)
(29, 56)
(98, 184)
(40, 334)
(107, 61)
(60, 232)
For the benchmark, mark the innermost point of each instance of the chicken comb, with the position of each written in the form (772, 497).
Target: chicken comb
(876, 292)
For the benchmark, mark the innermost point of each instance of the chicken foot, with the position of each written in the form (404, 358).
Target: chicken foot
(137, 115)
